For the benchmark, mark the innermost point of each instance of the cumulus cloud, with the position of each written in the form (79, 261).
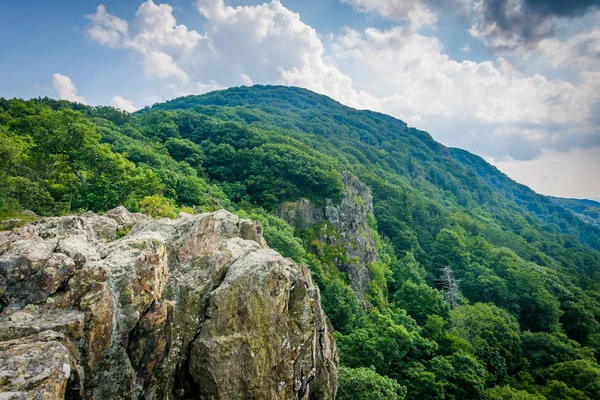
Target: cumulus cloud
(267, 42)
(66, 89)
(512, 24)
(107, 29)
(581, 52)
(122, 104)
(488, 107)
(567, 174)
(246, 80)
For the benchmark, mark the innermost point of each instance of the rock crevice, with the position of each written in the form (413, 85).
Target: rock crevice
(196, 307)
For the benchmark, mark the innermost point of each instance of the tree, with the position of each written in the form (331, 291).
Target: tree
(462, 375)
(450, 250)
(493, 333)
(157, 206)
(420, 301)
(451, 287)
(508, 393)
(557, 390)
(366, 384)
(583, 375)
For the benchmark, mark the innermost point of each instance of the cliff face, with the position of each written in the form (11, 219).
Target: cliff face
(343, 227)
(197, 306)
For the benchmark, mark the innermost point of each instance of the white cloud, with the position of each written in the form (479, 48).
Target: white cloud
(267, 42)
(488, 106)
(66, 89)
(579, 52)
(419, 13)
(466, 48)
(123, 104)
(107, 29)
(246, 81)
(565, 174)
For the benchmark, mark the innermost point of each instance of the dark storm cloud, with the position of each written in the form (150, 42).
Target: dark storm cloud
(514, 23)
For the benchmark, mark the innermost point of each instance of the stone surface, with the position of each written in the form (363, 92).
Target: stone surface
(350, 231)
(38, 367)
(139, 308)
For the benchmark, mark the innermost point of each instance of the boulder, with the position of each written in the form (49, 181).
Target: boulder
(141, 308)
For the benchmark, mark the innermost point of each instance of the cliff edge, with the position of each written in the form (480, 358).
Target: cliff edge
(125, 306)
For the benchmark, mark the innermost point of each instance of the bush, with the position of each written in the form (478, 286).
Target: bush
(158, 206)
(366, 384)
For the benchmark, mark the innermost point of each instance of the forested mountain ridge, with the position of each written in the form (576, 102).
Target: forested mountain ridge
(552, 210)
(480, 289)
(587, 210)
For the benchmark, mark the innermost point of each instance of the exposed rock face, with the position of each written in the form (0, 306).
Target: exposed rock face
(197, 307)
(350, 223)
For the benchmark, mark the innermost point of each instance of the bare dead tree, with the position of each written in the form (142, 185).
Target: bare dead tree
(450, 287)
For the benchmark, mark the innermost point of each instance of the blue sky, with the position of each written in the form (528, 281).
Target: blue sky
(515, 81)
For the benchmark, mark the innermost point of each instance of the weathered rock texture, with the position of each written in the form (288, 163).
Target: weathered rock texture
(197, 307)
(344, 226)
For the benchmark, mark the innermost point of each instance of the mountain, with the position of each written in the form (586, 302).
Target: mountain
(586, 210)
(441, 276)
(548, 209)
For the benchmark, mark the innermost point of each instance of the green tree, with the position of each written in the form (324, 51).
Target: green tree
(508, 393)
(493, 333)
(420, 301)
(157, 206)
(366, 384)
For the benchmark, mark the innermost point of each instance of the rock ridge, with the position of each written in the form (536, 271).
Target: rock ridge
(344, 227)
(125, 306)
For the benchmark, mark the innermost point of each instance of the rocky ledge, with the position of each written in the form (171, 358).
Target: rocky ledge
(350, 231)
(125, 306)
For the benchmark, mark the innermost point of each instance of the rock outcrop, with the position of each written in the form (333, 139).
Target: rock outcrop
(344, 226)
(196, 307)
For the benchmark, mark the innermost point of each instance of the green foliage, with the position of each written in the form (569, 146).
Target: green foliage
(526, 270)
(587, 210)
(557, 390)
(387, 340)
(157, 206)
(508, 393)
(420, 301)
(340, 303)
(366, 384)
(493, 333)
(462, 375)
(583, 375)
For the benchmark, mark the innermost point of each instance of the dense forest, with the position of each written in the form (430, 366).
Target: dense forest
(587, 210)
(483, 289)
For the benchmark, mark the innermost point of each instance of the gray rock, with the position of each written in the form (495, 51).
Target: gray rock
(155, 314)
(350, 231)
(20, 323)
(36, 368)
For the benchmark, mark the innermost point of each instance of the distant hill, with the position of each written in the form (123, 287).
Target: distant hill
(587, 210)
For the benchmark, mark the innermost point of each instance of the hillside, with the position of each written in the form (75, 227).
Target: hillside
(587, 210)
(438, 271)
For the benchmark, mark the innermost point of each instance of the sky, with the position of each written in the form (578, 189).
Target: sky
(514, 81)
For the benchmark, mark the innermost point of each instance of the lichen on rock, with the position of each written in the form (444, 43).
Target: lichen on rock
(343, 229)
(196, 307)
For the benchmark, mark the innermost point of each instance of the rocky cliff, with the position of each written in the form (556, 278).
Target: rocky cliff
(341, 228)
(125, 306)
